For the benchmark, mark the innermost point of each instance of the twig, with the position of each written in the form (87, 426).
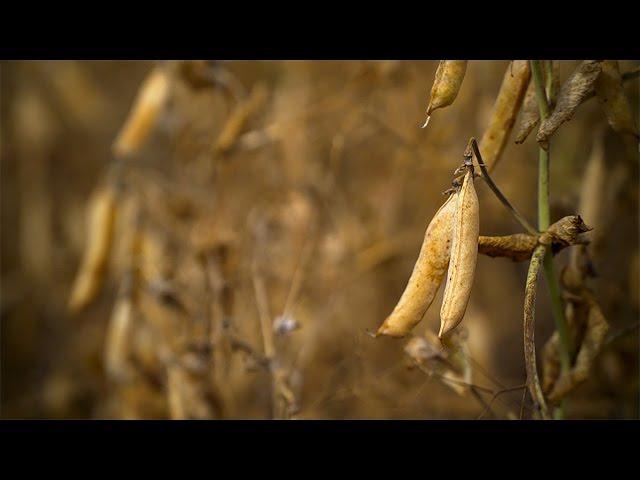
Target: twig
(497, 394)
(494, 188)
(621, 333)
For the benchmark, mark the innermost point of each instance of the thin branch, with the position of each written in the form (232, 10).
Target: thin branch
(494, 188)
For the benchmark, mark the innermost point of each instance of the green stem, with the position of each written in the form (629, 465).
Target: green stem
(543, 224)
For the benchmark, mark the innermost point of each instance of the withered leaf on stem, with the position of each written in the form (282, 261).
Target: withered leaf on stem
(573, 92)
(520, 246)
(558, 384)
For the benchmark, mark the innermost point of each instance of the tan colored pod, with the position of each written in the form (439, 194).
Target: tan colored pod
(102, 217)
(239, 118)
(145, 112)
(118, 344)
(614, 102)
(505, 110)
(427, 275)
(464, 253)
(446, 85)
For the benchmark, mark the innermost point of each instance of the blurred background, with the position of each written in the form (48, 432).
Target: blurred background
(281, 206)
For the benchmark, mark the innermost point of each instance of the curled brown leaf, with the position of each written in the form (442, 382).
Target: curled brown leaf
(577, 87)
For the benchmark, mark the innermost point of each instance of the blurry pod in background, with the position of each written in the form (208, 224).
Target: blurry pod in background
(464, 254)
(505, 110)
(614, 101)
(446, 85)
(101, 221)
(119, 341)
(145, 112)
(119, 333)
(427, 275)
(240, 117)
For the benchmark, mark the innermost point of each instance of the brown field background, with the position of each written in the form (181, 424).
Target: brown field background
(330, 190)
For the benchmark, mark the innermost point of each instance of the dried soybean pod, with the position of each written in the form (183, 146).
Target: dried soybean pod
(239, 118)
(118, 343)
(464, 253)
(505, 111)
(427, 275)
(101, 221)
(614, 101)
(146, 110)
(449, 76)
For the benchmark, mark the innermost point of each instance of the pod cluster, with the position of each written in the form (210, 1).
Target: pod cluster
(450, 248)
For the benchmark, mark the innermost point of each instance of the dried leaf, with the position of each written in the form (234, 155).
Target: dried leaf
(596, 331)
(517, 247)
(573, 92)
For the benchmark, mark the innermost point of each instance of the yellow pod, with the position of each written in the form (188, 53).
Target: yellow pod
(446, 85)
(427, 274)
(464, 254)
(505, 111)
(89, 279)
(144, 114)
(118, 344)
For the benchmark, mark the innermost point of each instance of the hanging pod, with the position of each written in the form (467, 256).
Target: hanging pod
(427, 274)
(446, 85)
(464, 254)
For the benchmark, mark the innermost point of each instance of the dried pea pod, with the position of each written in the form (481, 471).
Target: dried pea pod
(505, 111)
(102, 217)
(464, 253)
(146, 110)
(118, 343)
(239, 118)
(427, 275)
(614, 101)
(446, 85)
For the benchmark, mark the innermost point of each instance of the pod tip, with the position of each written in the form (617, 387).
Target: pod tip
(426, 122)
(443, 331)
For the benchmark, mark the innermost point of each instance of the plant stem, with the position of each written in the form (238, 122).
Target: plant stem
(543, 224)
